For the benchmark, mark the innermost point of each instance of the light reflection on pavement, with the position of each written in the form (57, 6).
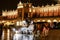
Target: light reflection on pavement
(53, 35)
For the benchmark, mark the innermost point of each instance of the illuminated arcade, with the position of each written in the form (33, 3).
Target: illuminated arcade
(40, 15)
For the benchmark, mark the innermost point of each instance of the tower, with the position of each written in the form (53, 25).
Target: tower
(27, 9)
(24, 10)
(20, 9)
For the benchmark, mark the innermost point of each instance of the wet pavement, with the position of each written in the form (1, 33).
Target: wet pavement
(53, 35)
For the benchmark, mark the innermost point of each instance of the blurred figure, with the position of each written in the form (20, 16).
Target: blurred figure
(28, 20)
(38, 29)
(1, 29)
(52, 25)
(45, 30)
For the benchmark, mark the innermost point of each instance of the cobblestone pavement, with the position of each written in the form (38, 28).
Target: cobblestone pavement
(53, 35)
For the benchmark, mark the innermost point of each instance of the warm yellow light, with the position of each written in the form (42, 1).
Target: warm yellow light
(20, 7)
(17, 24)
(3, 21)
(3, 34)
(29, 9)
(43, 20)
(32, 6)
(20, 2)
(4, 14)
(48, 20)
(9, 13)
(20, 23)
(8, 34)
(33, 10)
(59, 20)
(0, 21)
(45, 9)
(55, 20)
(7, 23)
(38, 20)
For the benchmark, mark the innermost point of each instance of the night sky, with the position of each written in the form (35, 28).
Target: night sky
(12, 4)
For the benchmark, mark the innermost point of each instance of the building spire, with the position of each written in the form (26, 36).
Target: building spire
(20, 5)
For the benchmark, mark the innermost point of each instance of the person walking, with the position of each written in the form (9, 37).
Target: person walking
(45, 29)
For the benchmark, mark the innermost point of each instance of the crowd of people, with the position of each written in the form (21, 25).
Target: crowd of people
(24, 32)
(29, 30)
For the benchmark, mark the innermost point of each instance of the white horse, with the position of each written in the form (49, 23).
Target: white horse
(30, 29)
(17, 34)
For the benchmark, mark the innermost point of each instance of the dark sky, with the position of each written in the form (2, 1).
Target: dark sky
(12, 4)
